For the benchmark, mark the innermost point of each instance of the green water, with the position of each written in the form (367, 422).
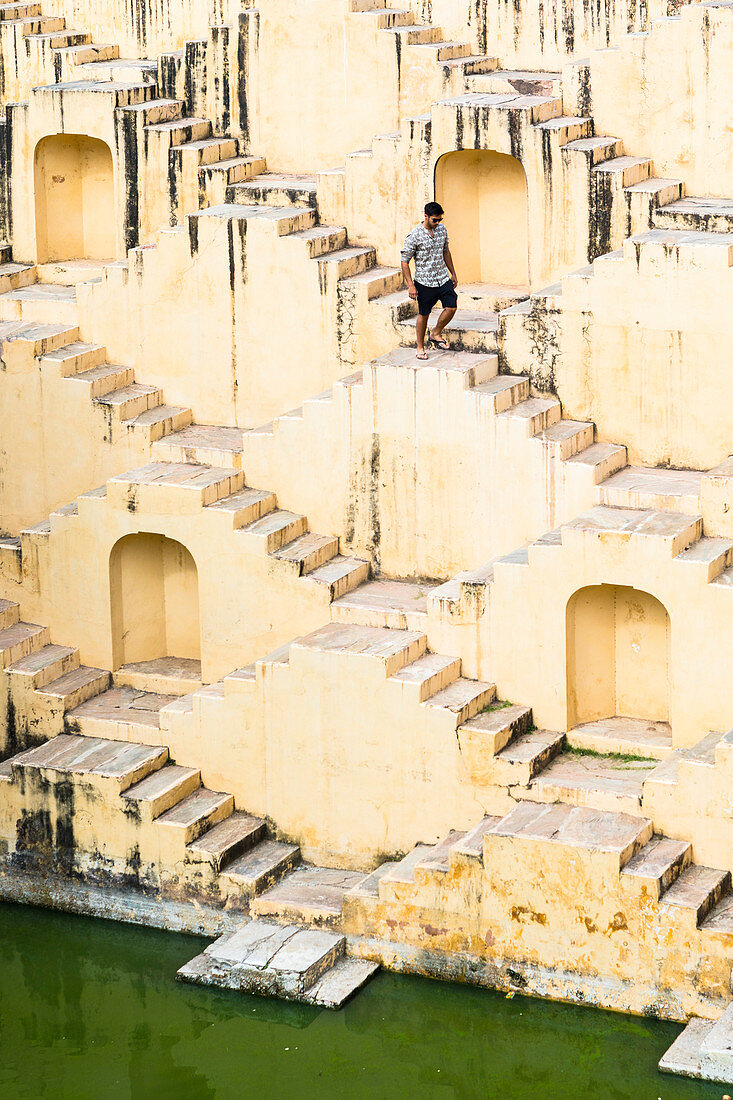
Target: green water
(90, 1009)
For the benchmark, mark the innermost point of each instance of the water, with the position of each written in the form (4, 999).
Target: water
(90, 1010)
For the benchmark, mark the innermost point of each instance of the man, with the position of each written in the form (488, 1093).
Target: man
(435, 276)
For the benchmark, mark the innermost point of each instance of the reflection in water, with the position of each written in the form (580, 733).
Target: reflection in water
(89, 1010)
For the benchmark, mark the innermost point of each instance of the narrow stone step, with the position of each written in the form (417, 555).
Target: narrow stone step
(20, 640)
(267, 960)
(276, 189)
(208, 444)
(392, 648)
(369, 886)
(471, 844)
(719, 920)
(130, 401)
(340, 983)
(398, 605)
(159, 420)
(308, 552)
(341, 575)
(428, 675)
(697, 891)
(657, 866)
(121, 710)
(245, 506)
(163, 789)
(437, 861)
(161, 676)
(625, 736)
(9, 614)
(104, 379)
(274, 529)
(76, 687)
(47, 664)
(683, 1057)
(123, 762)
(605, 783)
(221, 844)
(497, 725)
(403, 872)
(463, 698)
(196, 813)
(596, 830)
(259, 869)
(309, 895)
(648, 487)
(698, 213)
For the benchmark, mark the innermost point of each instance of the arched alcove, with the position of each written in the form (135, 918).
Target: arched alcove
(74, 194)
(617, 655)
(154, 600)
(484, 195)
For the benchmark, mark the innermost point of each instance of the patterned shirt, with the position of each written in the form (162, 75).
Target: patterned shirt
(427, 248)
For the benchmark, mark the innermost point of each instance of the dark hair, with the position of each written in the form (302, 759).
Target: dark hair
(432, 209)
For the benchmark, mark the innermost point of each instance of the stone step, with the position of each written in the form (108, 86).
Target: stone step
(150, 110)
(267, 959)
(221, 844)
(276, 189)
(56, 40)
(710, 557)
(38, 338)
(244, 506)
(719, 920)
(623, 171)
(119, 69)
(604, 783)
(376, 282)
(697, 213)
(104, 379)
(399, 605)
(180, 130)
(403, 872)
(20, 640)
(341, 575)
(697, 890)
(675, 532)
(437, 861)
(446, 51)
(9, 613)
(470, 330)
(91, 53)
(255, 871)
(567, 437)
(121, 712)
(470, 846)
(207, 444)
(76, 687)
(346, 262)
(162, 790)
(39, 302)
(619, 834)
(131, 400)
(340, 983)
(162, 675)
(657, 489)
(624, 736)
(392, 649)
(274, 530)
(534, 415)
(368, 888)
(595, 150)
(19, 11)
(463, 698)
(14, 276)
(498, 725)
(121, 762)
(309, 895)
(307, 552)
(428, 675)
(75, 357)
(321, 239)
(180, 487)
(502, 392)
(527, 755)
(704, 1050)
(657, 866)
(223, 173)
(205, 150)
(70, 272)
(603, 459)
(45, 665)
(159, 421)
(490, 297)
(196, 813)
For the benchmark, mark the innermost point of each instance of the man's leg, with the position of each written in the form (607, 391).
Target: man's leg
(445, 318)
(421, 326)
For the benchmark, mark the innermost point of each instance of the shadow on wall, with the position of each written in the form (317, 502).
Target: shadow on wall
(617, 655)
(484, 195)
(154, 600)
(75, 200)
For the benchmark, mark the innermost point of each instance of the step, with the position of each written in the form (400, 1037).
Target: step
(502, 392)
(244, 506)
(70, 272)
(238, 833)
(307, 552)
(45, 665)
(470, 330)
(119, 712)
(340, 983)
(13, 276)
(207, 444)
(76, 357)
(76, 687)
(159, 420)
(648, 487)
(428, 675)
(399, 605)
(40, 338)
(619, 834)
(497, 725)
(163, 675)
(601, 782)
(104, 379)
(40, 302)
(9, 613)
(392, 649)
(527, 755)
(341, 575)
(163, 789)
(196, 813)
(471, 844)
(437, 861)
(274, 530)
(624, 169)
(20, 640)
(403, 872)
(309, 895)
(697, 213)
(463, 698)
(276, 189)
(344, 263)
(368, 888)
(490, 297)
(178, 131)
(184, 487)
(259, 869)
(267, 960)
(719, 920)
(676, 532)
(207, 150)
(657, 866)
(120, 761)
(131, 400)
(534, 415)
(696, 892)
(624, 736)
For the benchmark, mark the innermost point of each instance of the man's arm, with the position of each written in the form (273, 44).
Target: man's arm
(449, 264)
(407, 275)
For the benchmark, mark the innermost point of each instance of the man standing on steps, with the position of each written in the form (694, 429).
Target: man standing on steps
(435, 276)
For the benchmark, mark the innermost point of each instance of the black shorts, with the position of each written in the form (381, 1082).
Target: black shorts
(427, 296)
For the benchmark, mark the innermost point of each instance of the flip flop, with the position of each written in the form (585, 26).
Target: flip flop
(421, 355)
(439, 343)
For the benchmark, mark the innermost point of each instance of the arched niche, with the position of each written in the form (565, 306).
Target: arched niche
(74, 197)
(154, 600)
(617, 655)
(484, 195)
